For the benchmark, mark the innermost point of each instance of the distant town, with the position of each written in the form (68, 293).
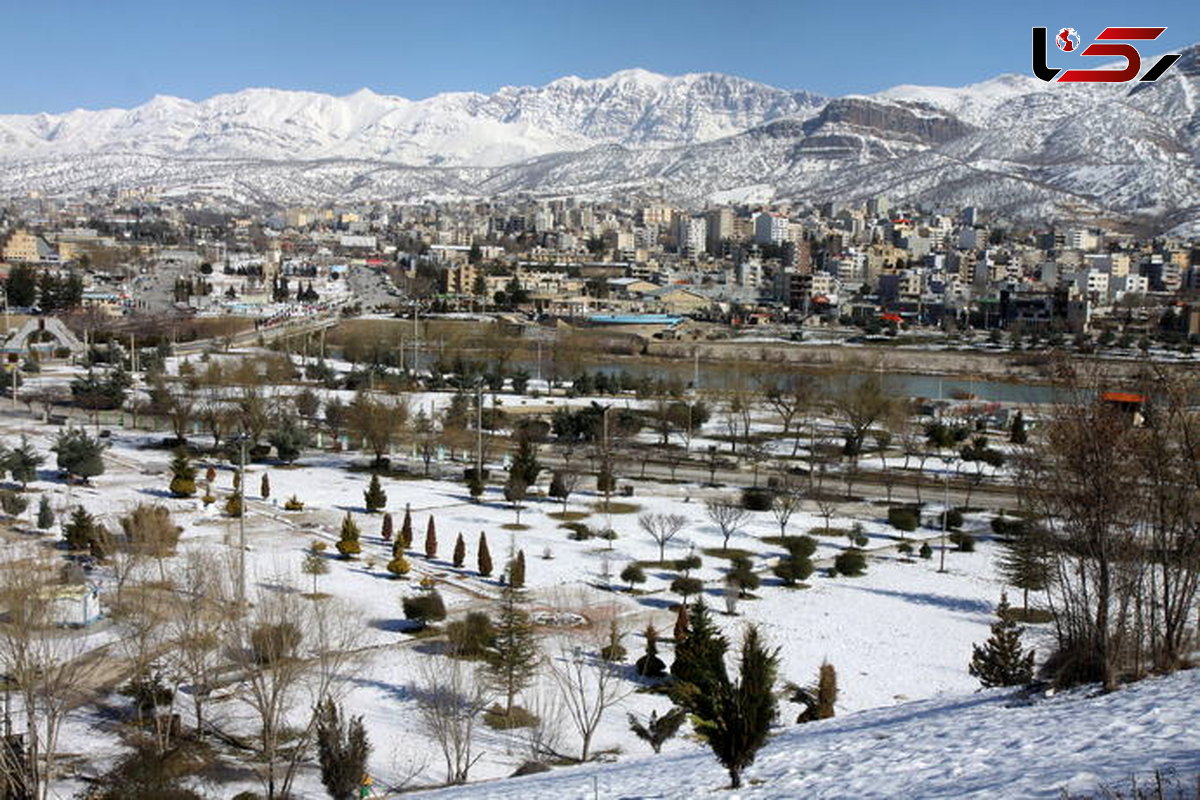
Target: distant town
(882, 267)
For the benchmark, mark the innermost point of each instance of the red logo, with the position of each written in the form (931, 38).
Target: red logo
(1068, 42)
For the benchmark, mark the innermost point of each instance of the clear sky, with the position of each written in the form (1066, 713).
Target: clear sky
(60, 55)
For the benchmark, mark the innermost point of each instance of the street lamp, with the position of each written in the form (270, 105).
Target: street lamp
(241, 440)
(947, 460)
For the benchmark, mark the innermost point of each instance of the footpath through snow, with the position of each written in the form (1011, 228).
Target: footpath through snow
(988, 744)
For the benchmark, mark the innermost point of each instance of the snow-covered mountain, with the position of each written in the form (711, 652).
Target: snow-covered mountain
(1013, 143)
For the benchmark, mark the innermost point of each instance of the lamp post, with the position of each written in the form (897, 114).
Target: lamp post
(241, 439)
(947, 461)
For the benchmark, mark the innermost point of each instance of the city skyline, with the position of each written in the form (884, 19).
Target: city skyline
(122, 54)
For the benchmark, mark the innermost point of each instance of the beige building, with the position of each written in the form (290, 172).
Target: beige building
(23, 246)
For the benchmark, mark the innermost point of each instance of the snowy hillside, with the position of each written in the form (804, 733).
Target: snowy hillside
(1028, 149)
(987, 745)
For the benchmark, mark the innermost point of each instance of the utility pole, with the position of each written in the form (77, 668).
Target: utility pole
(241, 584)
(945, 511)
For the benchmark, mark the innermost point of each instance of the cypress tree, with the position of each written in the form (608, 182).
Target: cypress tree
(1001, 661)
(1017, 434)
(45, 516)
(385, 532)
(460, 551)
(374, 497)
(484, 557)
(430, 540)
(650, 665)
(264, 487)
(348, 544)
(516, 571)
(827, 690)
(406, 529)
(342, 751)
(183, 475)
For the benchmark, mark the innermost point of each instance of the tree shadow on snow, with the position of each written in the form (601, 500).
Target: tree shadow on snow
(394, 691)
(960, 604)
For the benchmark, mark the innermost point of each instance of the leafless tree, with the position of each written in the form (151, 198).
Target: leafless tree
(588, 686)
(662, 528)
(376, 422)
(727, 514)
(202, 600)
(450, 700)
(787, 501)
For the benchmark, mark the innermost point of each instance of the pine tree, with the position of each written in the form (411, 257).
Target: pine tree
(23, 462)
(386, 531)
(183, 475)
(516, 571)
(45, 516)
(1017, 434)
(484, 557)
(734, 718)
(348, 544)
(342, 751)
(1001, 661)
(460, 551)
(374, 497)
(1025, 563)
(430, 540)
(81, 531)
(513, 657)
(406, 529)
(314, 565)
(264, 487)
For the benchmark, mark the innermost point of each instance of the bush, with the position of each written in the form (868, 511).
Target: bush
(1009, 527)
(688, 563)
(470, 637)
(904, 518)
(497, 718)
(633, 573)
(953, 519)
(425, 608)
(398, 566)
(233, 505)
(793, 569)
(965, 542)
(757, 499)
(800, 546)
(13, 504)
(850, 562)
(272, 642)
(293, 503)
(579, 532)
(687, 586)
(904, 548)
(926, 551)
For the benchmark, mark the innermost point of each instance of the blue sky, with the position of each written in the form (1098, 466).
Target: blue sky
(61, 55)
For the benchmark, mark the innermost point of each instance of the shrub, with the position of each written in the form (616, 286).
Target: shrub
(904, 548)
(293, 503)
(425, 608)
(858, 535)
(965, 542)
(12, 503)
(953, 519)
(348, 544)
(497, 718)
(926, 551)
(757, 499)
(793, 569)
(850, 562)
(800, 546)
(633, 573)
(398, 566)
(271, 642)
(688, 563)
(686, 586)
(470, 637)
(903, 518)
(579, 532)
(233, 505)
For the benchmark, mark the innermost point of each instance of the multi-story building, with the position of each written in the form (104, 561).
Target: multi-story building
(770, 228)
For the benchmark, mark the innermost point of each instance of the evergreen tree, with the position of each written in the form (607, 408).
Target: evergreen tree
(818, 701)
(516, 571)
(1025, 562)
(314, 565)
(79, 454)
(525, 467)
(21, 286)
(734, 718)
(650, 665)
(430, 540)
(460, 551)
(264, 487)
(399, 565)
(386, 531)
(1016, 433)
(289, 440)
(682, 623)
(82, 530)
(633, 573)
(342, 750)
(233, 505)
(484, 557)
(406, 529)
(23, 462)
(183, 475)
(374, 497)
(1001, 661)
(348, 544)
(513, 657)
(45, 516)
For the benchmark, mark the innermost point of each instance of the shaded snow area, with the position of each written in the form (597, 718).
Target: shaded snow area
(991, 744)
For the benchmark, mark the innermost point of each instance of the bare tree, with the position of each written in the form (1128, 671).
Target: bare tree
(588, 686)
(727, 514)
(662, 529)
(450, 699)
(860, 402)
(787, 501)
(201, 601)
(376, 422)
(50, 669)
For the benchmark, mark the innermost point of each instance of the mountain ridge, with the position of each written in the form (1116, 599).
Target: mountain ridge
(1013, 143)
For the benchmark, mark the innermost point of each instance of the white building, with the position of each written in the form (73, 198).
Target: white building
(770, 228)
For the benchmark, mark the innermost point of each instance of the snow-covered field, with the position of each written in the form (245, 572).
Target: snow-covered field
(910, 723)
